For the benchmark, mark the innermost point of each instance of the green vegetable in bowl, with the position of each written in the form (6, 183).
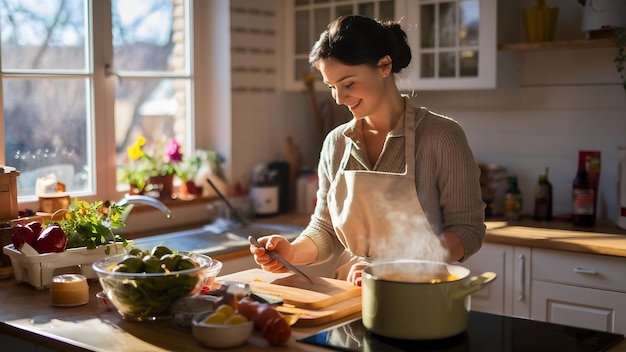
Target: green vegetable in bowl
(143, 286)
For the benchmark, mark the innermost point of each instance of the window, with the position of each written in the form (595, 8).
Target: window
(82, 79)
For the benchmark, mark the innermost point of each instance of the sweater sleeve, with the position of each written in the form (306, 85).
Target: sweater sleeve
(452, 192)
(320, 228)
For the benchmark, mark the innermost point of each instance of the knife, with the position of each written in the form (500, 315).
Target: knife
(278, 257)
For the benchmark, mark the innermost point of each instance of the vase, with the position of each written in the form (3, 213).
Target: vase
(163, 185)
(189, 189)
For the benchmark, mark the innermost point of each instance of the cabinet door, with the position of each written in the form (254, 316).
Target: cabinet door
(494, 258)
(509, 294)
(453, 43)
(306, 19)
(579, 306)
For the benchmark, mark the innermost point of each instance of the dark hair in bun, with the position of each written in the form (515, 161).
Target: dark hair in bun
(357, 40)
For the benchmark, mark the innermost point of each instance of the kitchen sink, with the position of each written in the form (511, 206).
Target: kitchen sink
(218, 237)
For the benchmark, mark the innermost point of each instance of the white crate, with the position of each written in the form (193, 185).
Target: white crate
(38, 270)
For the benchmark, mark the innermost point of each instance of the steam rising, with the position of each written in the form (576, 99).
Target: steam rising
(410, 238)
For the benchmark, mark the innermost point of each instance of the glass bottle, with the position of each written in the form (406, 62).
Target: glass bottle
(583, 199)
(512, 200)
(543, 198)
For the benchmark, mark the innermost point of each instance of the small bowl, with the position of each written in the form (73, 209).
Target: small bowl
(184, 309)
(218, 335)
(149, 296)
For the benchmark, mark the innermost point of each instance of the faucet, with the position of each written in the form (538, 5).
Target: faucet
(131, 200)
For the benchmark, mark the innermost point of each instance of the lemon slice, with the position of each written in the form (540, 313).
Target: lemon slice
(235, 319)
(216, 318)
(291, 318)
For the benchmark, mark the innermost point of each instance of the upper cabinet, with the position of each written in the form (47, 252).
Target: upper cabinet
(453, 42)
(306, 19)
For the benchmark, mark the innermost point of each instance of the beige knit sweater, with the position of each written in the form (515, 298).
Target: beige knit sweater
(446, 177)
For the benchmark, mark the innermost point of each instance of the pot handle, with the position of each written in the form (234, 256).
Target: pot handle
(474, 284)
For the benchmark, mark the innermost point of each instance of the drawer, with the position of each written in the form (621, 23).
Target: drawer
(580, 269)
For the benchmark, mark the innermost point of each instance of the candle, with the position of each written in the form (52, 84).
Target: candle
(69, 290)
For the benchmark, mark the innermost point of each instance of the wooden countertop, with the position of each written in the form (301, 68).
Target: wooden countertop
(605, 238)
(27, 314)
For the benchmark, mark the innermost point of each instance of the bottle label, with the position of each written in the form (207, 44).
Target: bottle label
(583, 200)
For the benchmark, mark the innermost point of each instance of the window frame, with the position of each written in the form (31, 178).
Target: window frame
(101, 76)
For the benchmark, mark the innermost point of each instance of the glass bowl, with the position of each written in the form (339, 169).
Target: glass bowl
(149, 296)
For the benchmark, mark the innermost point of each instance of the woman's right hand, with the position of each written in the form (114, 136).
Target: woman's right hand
(275, 243)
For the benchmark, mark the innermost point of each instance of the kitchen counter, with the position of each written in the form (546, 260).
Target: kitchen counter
(27, 314)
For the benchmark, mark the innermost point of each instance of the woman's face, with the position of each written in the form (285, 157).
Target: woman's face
(360, 88)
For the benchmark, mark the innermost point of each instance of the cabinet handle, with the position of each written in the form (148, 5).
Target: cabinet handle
(522, 277)
(585, 271)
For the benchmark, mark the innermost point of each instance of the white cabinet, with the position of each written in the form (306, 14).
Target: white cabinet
(584, 290)
(454, 44)
(569, 288)
(306, 19)
(509, 294)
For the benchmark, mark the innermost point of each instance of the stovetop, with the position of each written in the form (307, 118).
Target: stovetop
(486, 332)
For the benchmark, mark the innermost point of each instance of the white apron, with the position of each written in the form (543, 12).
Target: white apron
(367, 207)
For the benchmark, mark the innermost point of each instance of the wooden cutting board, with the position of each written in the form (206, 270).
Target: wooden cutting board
(295, 290)
(321, 302)
(310, 317)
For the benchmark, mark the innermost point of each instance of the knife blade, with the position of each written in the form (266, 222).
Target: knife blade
(278, 257)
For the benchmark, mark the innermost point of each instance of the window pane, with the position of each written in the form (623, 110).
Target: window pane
(152, 108)
(427, 26)
(321, 18)
(447, 64)
(46, 120)
(302, 32)
(43, 34)
(427, 66)
(367, 10)
(386, 10)
(144, 36)
(343, 10)
(149, 37)
(447, 24)
(469, 63)
(470, 16)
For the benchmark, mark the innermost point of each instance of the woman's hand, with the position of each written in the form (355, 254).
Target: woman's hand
(356, 273)
(276, 243)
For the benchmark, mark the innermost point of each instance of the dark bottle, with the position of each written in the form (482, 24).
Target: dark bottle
(512, 200)
(583, 199)
(543, 198)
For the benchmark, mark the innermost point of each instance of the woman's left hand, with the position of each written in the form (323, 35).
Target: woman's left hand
(355, 273)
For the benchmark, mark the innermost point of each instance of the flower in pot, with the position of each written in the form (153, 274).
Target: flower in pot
(151, 167)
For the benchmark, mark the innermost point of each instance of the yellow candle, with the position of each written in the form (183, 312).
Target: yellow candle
(69, 290)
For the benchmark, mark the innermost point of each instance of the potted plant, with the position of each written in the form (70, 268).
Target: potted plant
(151, 167)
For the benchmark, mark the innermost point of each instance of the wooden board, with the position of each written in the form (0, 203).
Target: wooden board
(319, 303)
(309, 317)
(297, 291)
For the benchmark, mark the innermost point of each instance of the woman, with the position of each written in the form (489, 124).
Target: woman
(395, 181)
